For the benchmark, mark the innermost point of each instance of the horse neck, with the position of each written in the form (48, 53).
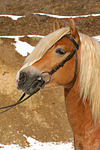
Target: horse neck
(80, 118)
(76, 110)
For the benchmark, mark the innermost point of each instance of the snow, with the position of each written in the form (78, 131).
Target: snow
(97, 37)
(59, 16)
(39, 36)
(21, 47)
(24, 48)
(13, 17)
(36, 145)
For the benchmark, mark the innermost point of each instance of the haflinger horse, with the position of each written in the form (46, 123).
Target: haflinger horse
(70, 59)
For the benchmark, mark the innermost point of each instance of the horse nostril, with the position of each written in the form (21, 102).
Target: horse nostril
(22, 77)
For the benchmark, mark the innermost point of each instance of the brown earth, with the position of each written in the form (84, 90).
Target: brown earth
(43, 116)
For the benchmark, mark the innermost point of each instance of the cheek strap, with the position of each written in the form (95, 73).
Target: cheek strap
(52, 71)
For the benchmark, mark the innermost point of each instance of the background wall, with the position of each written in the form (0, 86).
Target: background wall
(43, 116)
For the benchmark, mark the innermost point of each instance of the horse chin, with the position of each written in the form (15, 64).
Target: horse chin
(33, 88)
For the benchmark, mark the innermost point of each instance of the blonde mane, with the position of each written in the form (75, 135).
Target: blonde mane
(44, 45)
(89, 82)
(89, 77)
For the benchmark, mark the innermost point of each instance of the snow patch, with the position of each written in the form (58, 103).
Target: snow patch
(97, 37)
(61, 17)
(24, 48)
(36, 145)
(21, 47)
(39, 36)
(13, 17)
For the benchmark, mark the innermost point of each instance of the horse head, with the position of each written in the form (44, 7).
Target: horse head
(38, 69)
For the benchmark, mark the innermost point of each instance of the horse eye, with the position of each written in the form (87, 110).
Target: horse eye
(60, 51)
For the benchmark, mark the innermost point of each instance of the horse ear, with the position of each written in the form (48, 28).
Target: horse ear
(73, 30)
(56, 25)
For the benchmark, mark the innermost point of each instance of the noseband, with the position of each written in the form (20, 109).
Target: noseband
(52, 71)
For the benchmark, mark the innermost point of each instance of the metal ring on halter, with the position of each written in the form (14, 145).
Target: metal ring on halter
(46, 72)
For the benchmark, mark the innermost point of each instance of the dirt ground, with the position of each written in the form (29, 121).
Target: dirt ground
(43, 116)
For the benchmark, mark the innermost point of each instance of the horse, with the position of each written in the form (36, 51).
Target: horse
(70, 59)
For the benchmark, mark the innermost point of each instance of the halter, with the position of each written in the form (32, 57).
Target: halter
(64, 61)
(52, 71)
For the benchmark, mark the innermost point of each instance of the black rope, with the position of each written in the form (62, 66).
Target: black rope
(50, 72)
(20, 100)
(63, 62)
(74, 42)
(68, 57)
(75, 73)
(12, 105)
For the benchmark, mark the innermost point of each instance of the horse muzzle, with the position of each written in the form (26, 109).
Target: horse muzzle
(29, 83)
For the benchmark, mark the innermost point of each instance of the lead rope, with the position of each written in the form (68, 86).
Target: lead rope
(11, 106)
(75, 73)
(22, 99)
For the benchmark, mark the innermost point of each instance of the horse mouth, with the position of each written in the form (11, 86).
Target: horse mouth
(34, 87)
